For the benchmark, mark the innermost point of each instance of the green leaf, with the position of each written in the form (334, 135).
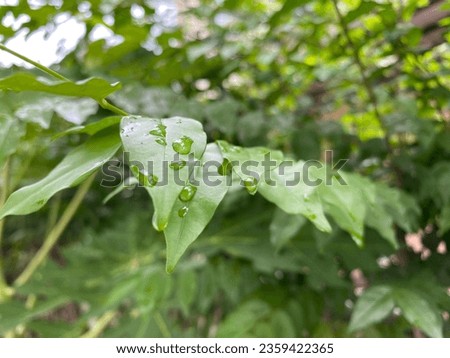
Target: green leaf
(223, 115)
(186, 290)
(401, 207)
(294, 195)
(39, 108)
(129, 183)
(419, 312)
(377, 216)
(36, 108)
(76, 110)
(93, 87)
(78, 164)
(343, 202)
(91, 128)
(284, 227)
(189, 218)
(239, 322)
(10, 133)
(444, 220)
(363, 8)
(375, 304)
(248, 163)
(283, 325)
(152, 146)
(13, 313)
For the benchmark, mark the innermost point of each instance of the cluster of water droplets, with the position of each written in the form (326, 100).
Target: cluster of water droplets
(160, 133)
(186, 195)
(183, 145)
(144, 179)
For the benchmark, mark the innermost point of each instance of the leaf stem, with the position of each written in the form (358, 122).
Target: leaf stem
(54, 234)
(162, 325)
(100, 325)
(4, 289)
(34, 63)
(103, 102)
(106, 105)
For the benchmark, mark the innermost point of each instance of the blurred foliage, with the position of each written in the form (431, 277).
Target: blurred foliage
(303, 80)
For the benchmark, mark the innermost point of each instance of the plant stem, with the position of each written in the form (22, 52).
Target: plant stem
(34, 63)
(162, 325)
(55, 233)
(53, 213)
(362, 69)
(3, 196)
(100, 325)
(103, 102)
(106, 105)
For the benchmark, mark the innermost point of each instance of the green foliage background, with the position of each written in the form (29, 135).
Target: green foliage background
(296, 78)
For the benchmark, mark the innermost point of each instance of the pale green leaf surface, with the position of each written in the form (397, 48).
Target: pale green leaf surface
(345, 204)
(152, 154)
(96, 88)
(187, 290)
(284, 227)
(419, 312)
(183, 230)
(79, 163)
(10, 133)
(249, 162)
(240, 321)
(91, 128)
(373, 306)
(294, 195)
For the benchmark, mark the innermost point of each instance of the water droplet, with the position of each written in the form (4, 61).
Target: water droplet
(161, 141)
(159, 130)
(152, 180)
(225, 168)
(182, 145)
(251, 185)
(187, 193)
(312, 216)
(178, 165)
(306, 197)
(183, 211)
(144, 180)
(135, 170)
(158, 223)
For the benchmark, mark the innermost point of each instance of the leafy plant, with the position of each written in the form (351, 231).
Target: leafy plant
(265, 235)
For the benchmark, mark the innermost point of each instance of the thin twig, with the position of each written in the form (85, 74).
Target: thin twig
(54, 234)
(162, 325)
(100, 325)
(3, 196)
(103, 102)
(34, 63)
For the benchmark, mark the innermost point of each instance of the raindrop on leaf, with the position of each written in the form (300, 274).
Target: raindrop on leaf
(182, 145)
(178, 165)
(161, 141)
(183, 211)
(251, 185)
(187, 193)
